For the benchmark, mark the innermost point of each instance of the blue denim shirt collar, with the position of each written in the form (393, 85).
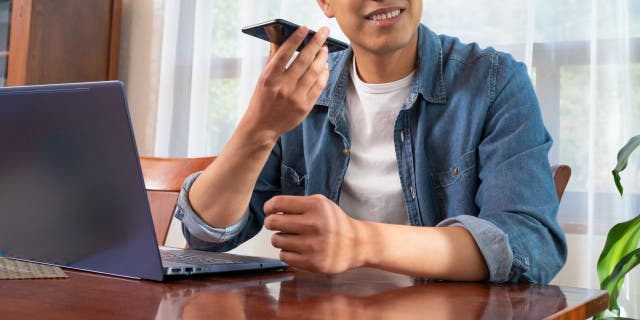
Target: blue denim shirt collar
(430, 68)
(429, 82)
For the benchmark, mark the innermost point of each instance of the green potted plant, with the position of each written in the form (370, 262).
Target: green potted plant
(621, 252)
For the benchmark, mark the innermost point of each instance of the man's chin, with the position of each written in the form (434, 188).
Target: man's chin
(386, 46)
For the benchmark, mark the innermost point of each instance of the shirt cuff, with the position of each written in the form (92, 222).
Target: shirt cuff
(196, 226)
(493, 243)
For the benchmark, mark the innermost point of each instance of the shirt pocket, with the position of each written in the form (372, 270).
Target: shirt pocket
(292, 182)
(456, 187)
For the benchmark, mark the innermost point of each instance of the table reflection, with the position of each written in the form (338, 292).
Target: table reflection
(387, 295)
(230, 298)
(361, 294)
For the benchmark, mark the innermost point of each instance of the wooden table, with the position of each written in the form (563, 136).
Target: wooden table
(358, 294)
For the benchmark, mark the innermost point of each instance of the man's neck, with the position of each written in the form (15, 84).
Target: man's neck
(387, 67)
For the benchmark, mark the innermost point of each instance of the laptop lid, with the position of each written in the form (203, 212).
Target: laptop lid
(71, 188)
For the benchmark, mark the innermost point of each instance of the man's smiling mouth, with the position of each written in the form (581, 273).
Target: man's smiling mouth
(384, 15)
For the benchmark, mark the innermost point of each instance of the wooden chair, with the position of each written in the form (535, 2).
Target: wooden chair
(561, 175)
(163, 178)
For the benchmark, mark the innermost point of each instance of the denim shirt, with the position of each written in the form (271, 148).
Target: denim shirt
(471, 148)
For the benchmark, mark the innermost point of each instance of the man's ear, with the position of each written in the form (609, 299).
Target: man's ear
(326, 7)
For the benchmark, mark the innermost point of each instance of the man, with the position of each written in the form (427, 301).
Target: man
(409, 152)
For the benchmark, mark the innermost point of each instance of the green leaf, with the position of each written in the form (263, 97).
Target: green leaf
(614, 282)
(623, 157)
(622, 239)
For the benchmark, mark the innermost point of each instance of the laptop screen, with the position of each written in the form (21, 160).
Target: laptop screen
(71, 189)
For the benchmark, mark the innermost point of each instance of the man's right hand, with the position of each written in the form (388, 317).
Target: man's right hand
(285, 95)
(282, 99)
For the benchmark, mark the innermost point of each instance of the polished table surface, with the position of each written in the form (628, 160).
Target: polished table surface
(290, 294)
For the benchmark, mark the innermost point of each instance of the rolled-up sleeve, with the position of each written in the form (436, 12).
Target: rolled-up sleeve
(196, 226)
(492, 242)
(517, 193)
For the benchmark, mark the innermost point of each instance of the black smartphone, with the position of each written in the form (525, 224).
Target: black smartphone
(278, 30)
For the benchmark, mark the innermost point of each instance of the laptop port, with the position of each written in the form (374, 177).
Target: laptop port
(188, 270)
(175, 270)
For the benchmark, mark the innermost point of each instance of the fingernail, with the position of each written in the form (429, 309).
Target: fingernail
(266, 224)
(324, 32)
(301, 31)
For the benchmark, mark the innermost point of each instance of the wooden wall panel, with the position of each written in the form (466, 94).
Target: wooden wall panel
(63, 41)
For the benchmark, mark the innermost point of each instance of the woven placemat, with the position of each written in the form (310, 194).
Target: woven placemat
(20, 270)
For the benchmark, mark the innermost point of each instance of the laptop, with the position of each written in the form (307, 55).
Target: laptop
(72, 192)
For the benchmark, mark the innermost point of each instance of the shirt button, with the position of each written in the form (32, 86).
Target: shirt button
(456, 171)
(413, 192)
(346, 151)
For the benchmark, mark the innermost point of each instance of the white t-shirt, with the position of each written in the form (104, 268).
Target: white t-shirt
(371, 189)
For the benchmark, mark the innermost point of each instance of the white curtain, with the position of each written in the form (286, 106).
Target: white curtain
(583, 57)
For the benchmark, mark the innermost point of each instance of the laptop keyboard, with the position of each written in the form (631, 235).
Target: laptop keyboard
(201, 257)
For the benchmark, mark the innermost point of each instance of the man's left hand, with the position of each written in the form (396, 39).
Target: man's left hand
(314, 234)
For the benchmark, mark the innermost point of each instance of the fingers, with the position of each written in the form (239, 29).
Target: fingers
(290, 223)
(273, 48)
(284, 53)
(310, 52)
(311, 76)
(295, 259)
(288, 242)
(288, 205)
(314, 91)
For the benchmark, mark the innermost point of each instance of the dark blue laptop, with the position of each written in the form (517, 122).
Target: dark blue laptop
(72, 192)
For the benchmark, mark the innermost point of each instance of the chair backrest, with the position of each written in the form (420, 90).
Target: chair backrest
(163, 178)
(561, 175)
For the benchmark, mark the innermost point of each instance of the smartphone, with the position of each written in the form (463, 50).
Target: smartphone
(278, 30)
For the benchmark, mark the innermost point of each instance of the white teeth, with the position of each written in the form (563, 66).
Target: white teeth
(384, 16)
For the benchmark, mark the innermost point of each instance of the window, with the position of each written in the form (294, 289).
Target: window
(584, 62)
